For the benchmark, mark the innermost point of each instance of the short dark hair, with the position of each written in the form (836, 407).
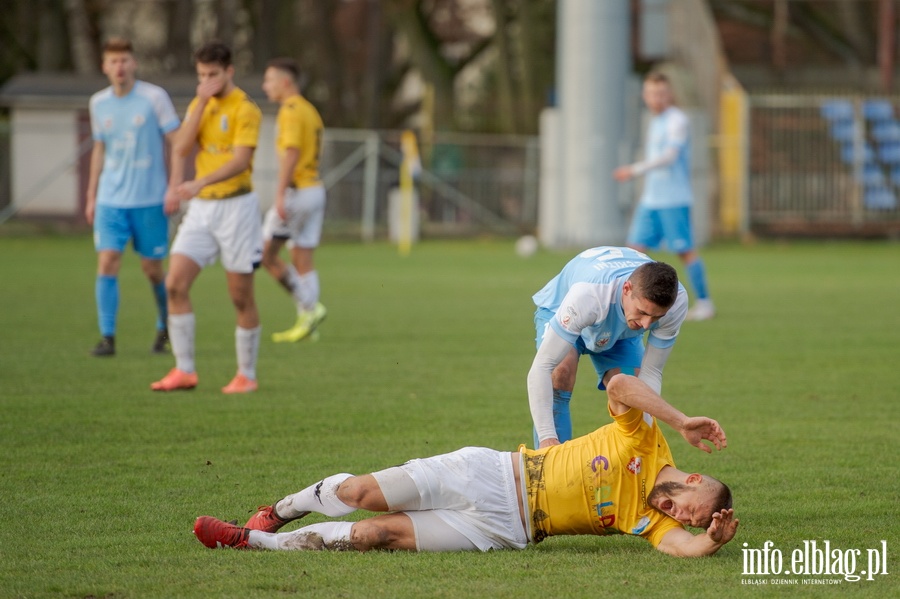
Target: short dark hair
(286, 65)
(118, 44)
(656, 282)
(656, 77)
(213, 52)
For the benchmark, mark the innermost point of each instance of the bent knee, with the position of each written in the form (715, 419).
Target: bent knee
(369, 534)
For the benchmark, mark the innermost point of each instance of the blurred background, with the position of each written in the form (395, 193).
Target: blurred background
(792, 105)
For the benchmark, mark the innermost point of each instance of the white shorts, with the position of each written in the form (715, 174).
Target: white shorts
(306, 212)
(229, 228)
(474, 491)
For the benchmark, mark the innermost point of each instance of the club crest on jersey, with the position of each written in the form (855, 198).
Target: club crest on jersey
(223, 124)
(603, 339)
(138, 120)
(107, 123)
(640, 526)
(634, 466)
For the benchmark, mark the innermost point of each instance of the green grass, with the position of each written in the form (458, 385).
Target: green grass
(101, 479)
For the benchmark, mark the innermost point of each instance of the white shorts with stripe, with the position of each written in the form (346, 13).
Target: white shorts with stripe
(473, 490)
(227, 229)
(306, 213)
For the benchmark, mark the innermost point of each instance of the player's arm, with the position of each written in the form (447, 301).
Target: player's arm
(652, 366)
(552, 351)
(665, 158)
(681, 543)
(624, 392)
(97, 155)
(240, 161)
(287, 162)
(182, 142)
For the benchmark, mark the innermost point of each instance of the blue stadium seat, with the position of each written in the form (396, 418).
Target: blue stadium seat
(895, 175)
(867, 154)
(837, 110)
(878, 110)
(879, 198)
(873, 176)
(886, 131)
(843, 131)
(889, 153)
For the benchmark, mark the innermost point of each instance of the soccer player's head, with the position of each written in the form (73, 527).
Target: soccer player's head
(693, 503)
(657, 282)
(119, 64)
(657, 92)
(281, 79)
(213, 63)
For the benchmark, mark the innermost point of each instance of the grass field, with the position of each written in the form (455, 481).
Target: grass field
(102, 479)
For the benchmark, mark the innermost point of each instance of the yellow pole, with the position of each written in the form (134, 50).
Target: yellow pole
(409, 168)
(732, 159)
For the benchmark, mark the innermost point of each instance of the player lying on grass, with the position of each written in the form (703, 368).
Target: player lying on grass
(619, 479)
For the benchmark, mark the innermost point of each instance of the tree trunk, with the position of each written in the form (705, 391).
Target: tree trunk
(85, 57)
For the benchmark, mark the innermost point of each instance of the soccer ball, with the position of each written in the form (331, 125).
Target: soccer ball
(526, 246)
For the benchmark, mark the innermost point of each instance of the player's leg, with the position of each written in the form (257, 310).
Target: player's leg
(151, 241)
(238, 232)
(193, 248)
(307, 211)
(676, 225)
(111, 234)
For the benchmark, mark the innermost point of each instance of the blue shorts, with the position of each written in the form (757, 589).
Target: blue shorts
(626, 354)
(651, 226)
(147, 227)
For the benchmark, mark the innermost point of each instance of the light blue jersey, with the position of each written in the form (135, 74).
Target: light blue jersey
(132, 129)
(668, 185)
(586, 299)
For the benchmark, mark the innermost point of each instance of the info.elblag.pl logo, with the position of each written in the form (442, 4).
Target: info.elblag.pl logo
(816, 562)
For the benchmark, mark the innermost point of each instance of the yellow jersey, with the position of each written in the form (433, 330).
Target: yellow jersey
(226, 123)
(598, 484)
(299, 126)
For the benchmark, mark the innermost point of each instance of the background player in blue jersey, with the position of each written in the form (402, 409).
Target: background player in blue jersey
(601, 304)
(131, 121)
(664, 210)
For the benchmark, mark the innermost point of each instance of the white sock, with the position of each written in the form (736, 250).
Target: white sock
(293, 281)
(181, 337)
(246, 343)
(334, 536)
(320, 497)
(308, 295)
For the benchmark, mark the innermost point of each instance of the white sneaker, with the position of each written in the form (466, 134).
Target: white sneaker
(703, 310)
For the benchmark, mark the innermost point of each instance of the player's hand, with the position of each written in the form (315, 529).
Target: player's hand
(89, 208)
(280, 208)
(723, 527)
(699, 429)
(209, 88)
(172, 202)
(623, 173)
(188, 189)
(548, 443)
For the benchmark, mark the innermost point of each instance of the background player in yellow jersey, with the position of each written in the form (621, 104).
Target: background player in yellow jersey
(222, 220)
(299, 207)
(620, 479)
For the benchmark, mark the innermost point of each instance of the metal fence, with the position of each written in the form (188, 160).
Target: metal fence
(469, 184)
(823, 165)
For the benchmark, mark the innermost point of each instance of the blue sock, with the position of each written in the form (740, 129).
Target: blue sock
(106, 290)
(697, 274)
(162, 308)
(562, 417)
